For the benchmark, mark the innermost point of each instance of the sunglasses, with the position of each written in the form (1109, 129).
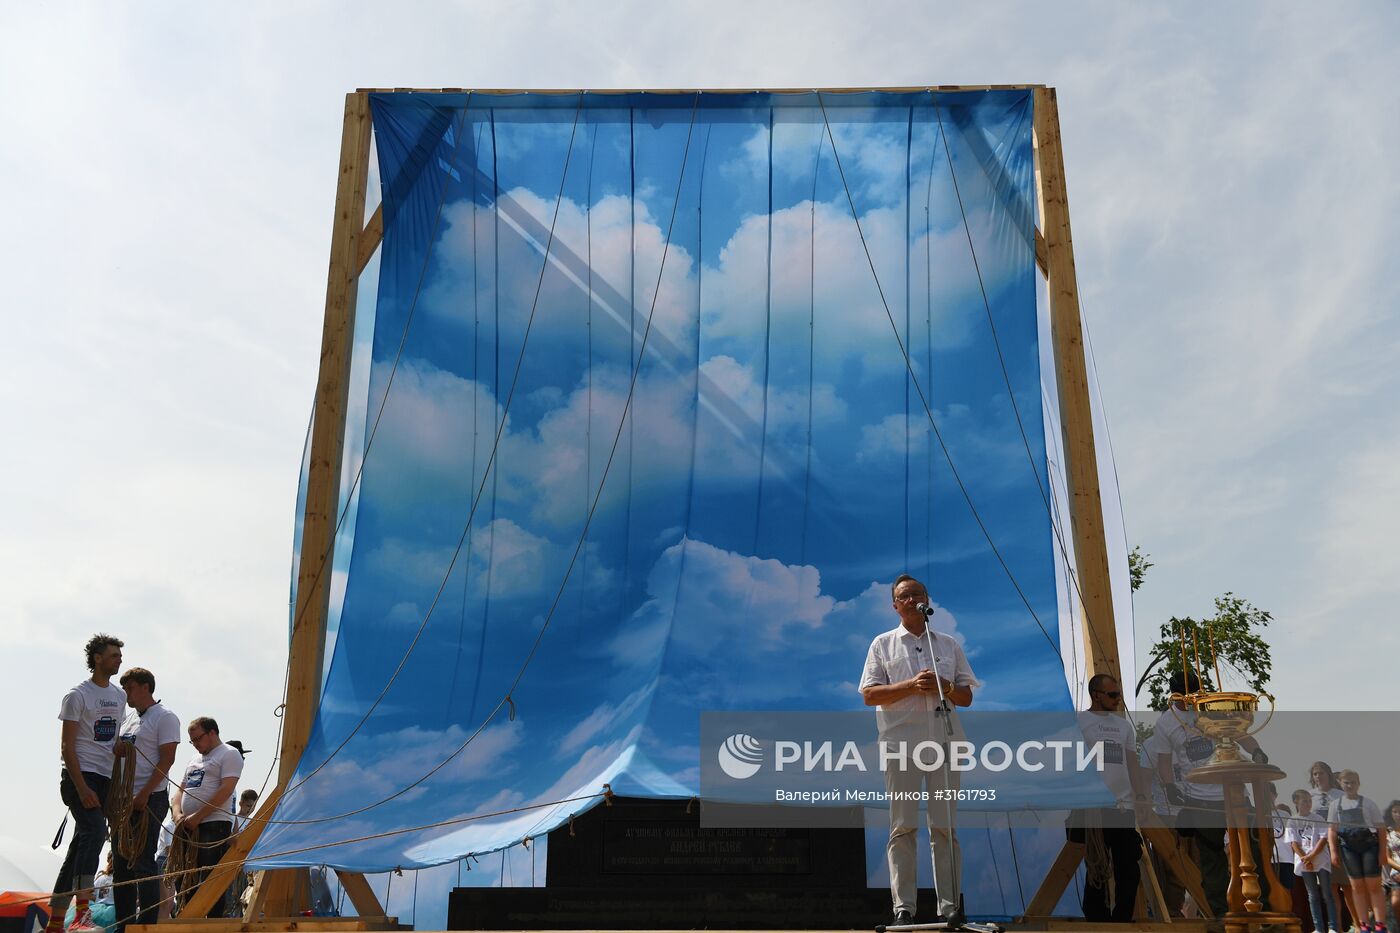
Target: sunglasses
(1111, 694)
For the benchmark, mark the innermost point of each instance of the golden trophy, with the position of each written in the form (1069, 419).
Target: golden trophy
(1226, 717)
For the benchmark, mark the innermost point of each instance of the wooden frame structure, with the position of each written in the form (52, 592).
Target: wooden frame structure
(281, 894)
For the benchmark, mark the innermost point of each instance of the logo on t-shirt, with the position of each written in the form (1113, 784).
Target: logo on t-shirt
(1199, 748)
(195, 778)
(1112, 753)
(104, 729)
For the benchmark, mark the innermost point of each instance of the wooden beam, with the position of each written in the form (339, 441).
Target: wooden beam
(1166, 844)
(603, 92)
(370, 238)
(327, 439)
(1076, 415)
(361, 894)
(256, 900)
(222, 874)
(306, 652)
(286, 896)
(1056, 880)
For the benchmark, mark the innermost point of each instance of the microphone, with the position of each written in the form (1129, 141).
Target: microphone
(925, 608)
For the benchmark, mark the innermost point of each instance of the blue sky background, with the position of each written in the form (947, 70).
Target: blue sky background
(169, 184)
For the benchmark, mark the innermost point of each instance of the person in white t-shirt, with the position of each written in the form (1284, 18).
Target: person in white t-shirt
(1202, 816)
(91, 713)
(915, 695)
(203, 803)
(1102, 722)
(1356, 835)
(1306, 835)
(155, 733)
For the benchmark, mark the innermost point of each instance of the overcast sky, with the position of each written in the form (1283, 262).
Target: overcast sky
(167, 174)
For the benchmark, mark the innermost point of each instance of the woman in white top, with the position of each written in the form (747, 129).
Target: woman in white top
(1306, 835)
(1356, 834)
(1325, 790)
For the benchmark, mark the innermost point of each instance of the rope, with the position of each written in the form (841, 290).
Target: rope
(489, 471)
(128, 836)
(991, 847)
(1016, 864)
(180, 865)
(1056, 527)
(1098, 863)
(923, 399)
(181, 861)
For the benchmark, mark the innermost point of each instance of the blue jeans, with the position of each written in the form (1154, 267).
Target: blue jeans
(89, 832)
(1319, 885)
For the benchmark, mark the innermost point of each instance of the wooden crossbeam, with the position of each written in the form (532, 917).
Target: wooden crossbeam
(722, 90)
(360, 893)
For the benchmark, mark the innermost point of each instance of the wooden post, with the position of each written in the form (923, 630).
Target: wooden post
(1076, 417)
(283, 892)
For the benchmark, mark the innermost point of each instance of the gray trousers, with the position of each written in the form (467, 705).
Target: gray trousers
(941, 819)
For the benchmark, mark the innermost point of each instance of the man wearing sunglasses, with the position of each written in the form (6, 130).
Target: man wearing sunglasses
(1121, 873)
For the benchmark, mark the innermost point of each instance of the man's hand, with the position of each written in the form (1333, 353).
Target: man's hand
(926, 681)
(1307, 863)
(1174, 795)
(138, 803)
(87, 796)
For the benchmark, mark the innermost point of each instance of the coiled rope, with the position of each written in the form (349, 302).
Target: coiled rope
(128, 835)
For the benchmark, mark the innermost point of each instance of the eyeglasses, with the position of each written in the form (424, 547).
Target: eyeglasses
(194, 739)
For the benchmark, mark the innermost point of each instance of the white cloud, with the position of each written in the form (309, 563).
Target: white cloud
(777, 611)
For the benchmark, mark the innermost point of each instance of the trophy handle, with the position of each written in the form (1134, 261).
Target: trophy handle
(1272, 706)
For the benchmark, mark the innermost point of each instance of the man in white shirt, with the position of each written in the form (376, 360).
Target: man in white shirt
(155, 732)
(203, 803)
(91, 713)
(1101, 722)
(915, 676)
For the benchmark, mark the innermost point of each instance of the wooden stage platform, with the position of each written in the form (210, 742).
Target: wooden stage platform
(372, 924)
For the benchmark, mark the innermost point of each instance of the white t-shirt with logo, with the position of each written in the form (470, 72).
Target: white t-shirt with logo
(1283, 852)
(1306, 830)
(1189, 750)
(98, 711)
(203, 775)
(148, 731)
(1119, 740)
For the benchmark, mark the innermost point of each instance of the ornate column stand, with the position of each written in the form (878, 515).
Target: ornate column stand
(1247, 913)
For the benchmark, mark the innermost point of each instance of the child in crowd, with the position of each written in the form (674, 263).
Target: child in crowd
(1356, 834)
(1306, 835)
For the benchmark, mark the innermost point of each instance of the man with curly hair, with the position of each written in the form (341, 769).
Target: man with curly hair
(92, 714)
